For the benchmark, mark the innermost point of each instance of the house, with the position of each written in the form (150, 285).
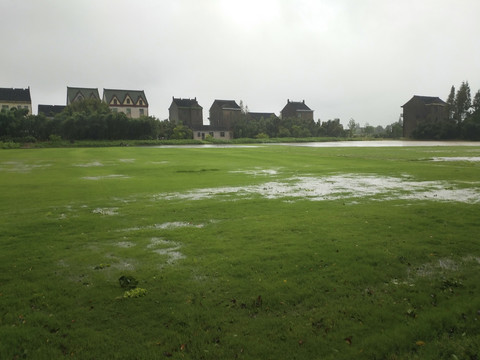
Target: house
(422, 108)
(50, 110)
(187, 112)
(259, 115)
(79, 94)
(296, 109)
(223, 114)
(15, 98)
(131, 102)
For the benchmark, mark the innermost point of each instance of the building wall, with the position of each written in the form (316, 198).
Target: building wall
(223, 118)
(416, 111)
(7, 105)
(133, 112)
(216, 134)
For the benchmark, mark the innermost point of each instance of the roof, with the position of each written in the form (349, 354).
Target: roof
(186, 103)
(121, 95)
(73, 93)
(296, 106)
(12, 94)
(50, 110)
(259, 115)
(427, 100)
(227, 104)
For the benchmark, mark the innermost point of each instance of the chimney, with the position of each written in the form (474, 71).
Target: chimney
(303, 101)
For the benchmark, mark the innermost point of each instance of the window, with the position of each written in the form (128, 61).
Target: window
(128, 101)
(129, 112)
(4, 107)
(211, 133)
(222, 133)
(141, 111)
(115, 110)
(198, 134)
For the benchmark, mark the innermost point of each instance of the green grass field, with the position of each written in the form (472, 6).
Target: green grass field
(262, 252)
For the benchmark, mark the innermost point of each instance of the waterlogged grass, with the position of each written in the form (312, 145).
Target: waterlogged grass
(262, 265)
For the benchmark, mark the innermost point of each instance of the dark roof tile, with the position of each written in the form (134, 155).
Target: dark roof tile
(11, 94)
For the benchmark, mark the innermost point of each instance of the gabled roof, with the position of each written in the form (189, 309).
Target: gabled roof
(259, 115)
(77, 93)
(296, 106)
(12, 94)
(50, 110)
(186, 103)
(227, 104)
(122, 95)
(427, 100)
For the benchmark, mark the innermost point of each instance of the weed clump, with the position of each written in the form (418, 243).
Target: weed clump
(135, 293)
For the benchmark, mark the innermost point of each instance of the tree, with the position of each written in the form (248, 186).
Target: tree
(243, 107)
(182, 132)
(476, 102)
(333, 128)
(368, 130)
(352, 127)
(463, 102)
(451, 102)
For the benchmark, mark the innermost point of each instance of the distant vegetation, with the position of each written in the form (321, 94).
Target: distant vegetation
(463, 121)
(275, 127)
(85, 120)
(93, 120)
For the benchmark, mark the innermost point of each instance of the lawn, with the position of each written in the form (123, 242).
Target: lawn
(256, 252)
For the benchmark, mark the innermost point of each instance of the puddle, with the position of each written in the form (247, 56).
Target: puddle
(176, 225)
(439, 267)
(92, 164)
(125, 244)
(166, 248)
(335, 187)
(105, 211)
(20, 167)
(256, 172)
(458, 158)
(165, 226)
(113, 176)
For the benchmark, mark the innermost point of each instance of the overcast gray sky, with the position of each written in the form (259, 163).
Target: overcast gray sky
(359, 59)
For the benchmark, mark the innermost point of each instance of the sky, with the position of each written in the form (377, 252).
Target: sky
(348, 59)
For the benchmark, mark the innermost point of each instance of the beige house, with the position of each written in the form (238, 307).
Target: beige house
(79, 94)
(15, 98)
(202, 132)
(131, 102)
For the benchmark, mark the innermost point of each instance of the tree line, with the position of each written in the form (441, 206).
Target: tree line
(89, 119)
(92, 119)
(462, 122)
(274, 127)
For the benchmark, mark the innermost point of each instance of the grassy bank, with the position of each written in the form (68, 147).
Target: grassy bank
(250, 253)
(121, 143)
